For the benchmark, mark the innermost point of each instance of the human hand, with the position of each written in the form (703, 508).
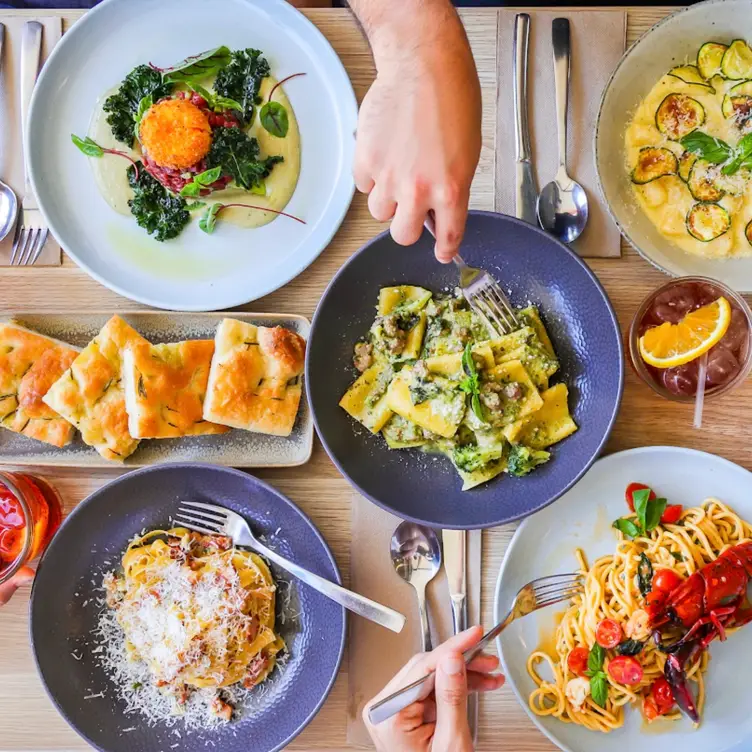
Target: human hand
(23, 577)
(438, 723)
(419, 128)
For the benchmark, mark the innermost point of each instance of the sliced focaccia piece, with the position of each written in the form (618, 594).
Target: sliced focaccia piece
(90, 393)
(254, 381)
(165, 386)
(29, 364)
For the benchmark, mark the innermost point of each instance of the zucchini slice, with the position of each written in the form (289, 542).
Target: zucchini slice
(748, 232)
(654, 163)
(690, 74)
(678, 115)
(707, 221)
(709, 59)
(702, 184)
(737, 61)
(686, 162)
(737, 103)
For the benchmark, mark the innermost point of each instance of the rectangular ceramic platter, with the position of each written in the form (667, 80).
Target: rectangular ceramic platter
(235, 449)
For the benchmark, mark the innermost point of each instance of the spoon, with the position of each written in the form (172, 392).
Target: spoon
(562, 204)
(8, 199)
(416, 556)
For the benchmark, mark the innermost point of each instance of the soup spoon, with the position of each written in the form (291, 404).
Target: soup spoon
(563, 203)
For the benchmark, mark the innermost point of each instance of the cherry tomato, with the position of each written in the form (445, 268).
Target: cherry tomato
(608, 634)
(577, 661)
(671, 514)
(663, 695)
(650, 708)
(631, 488)
(666, 580)
(625, 670)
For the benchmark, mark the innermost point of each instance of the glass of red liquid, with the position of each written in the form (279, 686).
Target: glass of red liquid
(30, 514)
(729, 361)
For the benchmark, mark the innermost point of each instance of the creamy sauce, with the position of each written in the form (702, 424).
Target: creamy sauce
(667, 200)
(110, 172)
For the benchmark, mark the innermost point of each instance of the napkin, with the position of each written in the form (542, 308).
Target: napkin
(375, 653)
(11, 147)
(598, 40)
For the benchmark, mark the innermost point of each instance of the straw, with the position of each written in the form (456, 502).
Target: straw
(700, 395)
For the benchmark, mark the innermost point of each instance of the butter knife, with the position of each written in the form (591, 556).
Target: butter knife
(455, 566)
(526, 194)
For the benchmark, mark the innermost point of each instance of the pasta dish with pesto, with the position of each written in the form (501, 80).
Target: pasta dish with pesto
(198, 613)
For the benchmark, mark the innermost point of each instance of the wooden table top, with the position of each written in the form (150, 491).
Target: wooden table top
(27, 717)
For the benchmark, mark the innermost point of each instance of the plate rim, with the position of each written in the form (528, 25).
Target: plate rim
(346, 182)
(504, 520)
(686, 451)
(91, 498)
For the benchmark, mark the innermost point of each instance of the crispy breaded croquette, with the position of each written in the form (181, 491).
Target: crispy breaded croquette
(175, 133)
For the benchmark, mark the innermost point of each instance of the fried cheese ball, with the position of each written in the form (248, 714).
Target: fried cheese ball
(175, 133)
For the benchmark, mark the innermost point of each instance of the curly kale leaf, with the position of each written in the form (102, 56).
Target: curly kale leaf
(241, 80)
(238, 155)
(122, 107)
(523, 459)
(157, 210)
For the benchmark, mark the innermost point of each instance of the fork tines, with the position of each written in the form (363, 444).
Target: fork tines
(203, 518)
(492, 305)
(28, 245)
(556, 588)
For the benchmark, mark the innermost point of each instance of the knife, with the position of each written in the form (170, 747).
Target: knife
(526, 194)
(455, 560)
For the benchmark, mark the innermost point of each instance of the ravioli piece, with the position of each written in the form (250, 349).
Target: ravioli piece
(400, 433)
(402, 299)
(450, 364)
(90, 393)
(551, 423)
(254, 380)
(29, 364)
(531, 317)
(366, 400)
(165, 386)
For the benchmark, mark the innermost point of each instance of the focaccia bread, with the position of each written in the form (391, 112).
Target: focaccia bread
(165, 386)
(254, 382)
(90, 393)
(29, 364)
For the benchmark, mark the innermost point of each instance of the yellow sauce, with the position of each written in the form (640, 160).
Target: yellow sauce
(667, 200)
(110, 171)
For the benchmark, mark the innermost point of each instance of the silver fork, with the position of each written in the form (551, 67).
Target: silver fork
(210, 519)
(540, 593)
(31, 230)
(483, 294)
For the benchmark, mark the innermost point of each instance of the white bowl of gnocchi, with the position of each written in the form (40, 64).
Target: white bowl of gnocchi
(673, 143)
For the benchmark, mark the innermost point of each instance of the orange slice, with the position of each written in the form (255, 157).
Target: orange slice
(670, 345)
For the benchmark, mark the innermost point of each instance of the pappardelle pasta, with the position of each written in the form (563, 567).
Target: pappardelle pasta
(431, 378)
(198, 612)
(604, 655)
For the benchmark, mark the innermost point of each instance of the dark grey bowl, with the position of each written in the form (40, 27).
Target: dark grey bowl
(534, 268)
(92, 539)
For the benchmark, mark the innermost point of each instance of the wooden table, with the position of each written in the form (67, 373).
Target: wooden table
(28, 719)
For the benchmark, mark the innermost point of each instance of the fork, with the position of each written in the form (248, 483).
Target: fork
(210, 519)
(31, 230)
(540, 593)
(483, 294)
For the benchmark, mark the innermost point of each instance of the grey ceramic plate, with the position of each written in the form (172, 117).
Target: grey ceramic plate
(235, 449)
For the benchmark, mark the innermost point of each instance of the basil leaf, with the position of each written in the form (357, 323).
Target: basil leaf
(198, 66)
(653, 514)
(189, 190)
(468, 364)
(274, 118)
(645, 575)
(595, 658)
(209, 221)
(200, 90)
(709, 148)
(225, 103)
(677, 556)
(623, 525)
(741, 153)
(87, 146)
(144, 104)
(477, 407)
(207, 177)
(640, 499)
(630, 647)
(599, 689)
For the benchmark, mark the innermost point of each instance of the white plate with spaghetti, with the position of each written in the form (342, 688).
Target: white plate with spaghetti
(153, 238)
(717, 505)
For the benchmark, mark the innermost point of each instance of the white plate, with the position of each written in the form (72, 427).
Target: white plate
(544, 545)
(195, 272)
(673, 41)
(235, 449)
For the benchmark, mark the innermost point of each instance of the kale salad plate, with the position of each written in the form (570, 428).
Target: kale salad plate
(198, 169)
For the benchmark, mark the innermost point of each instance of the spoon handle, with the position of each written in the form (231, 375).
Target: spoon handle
(425, 628)
(31, 52)
(562, 53)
